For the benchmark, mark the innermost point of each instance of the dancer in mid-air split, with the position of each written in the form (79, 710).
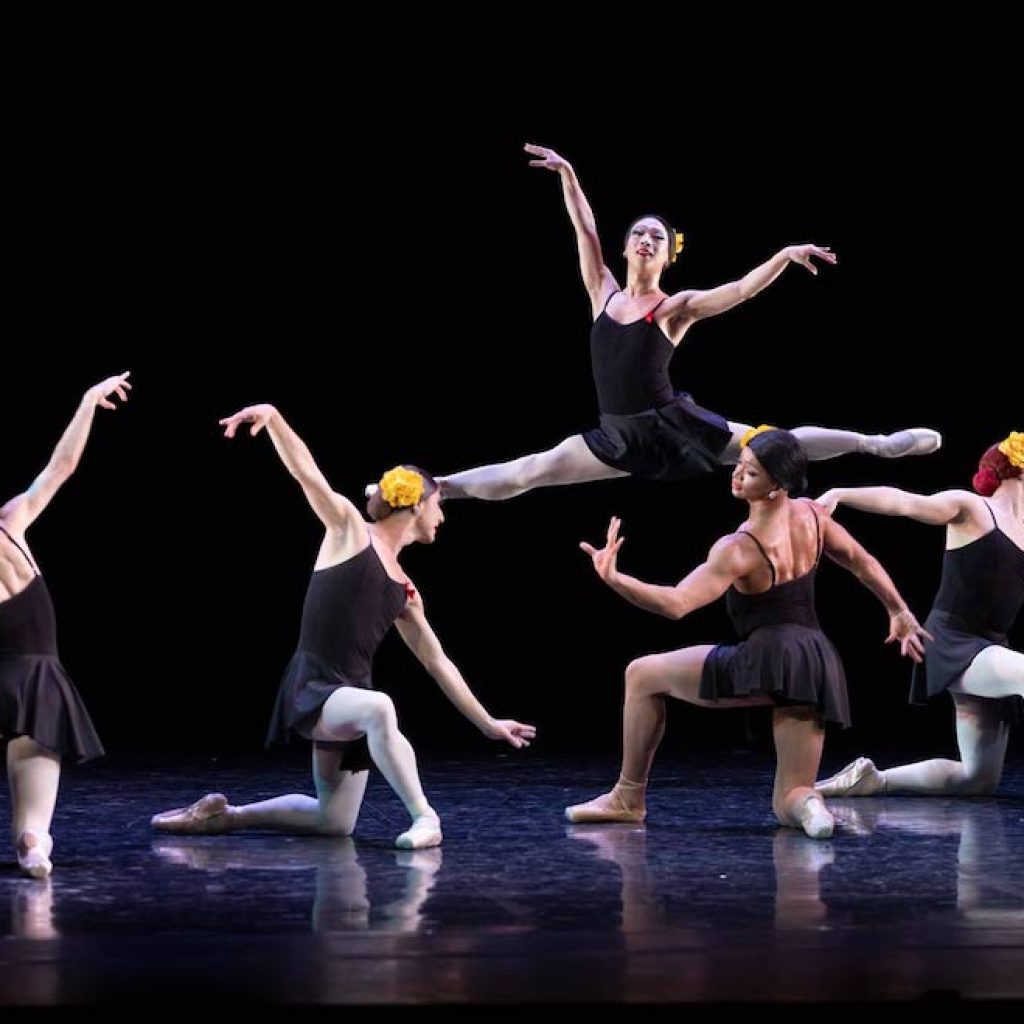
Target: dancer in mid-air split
(980, 597)
(766, 568)
(357, 591)
(646, 428)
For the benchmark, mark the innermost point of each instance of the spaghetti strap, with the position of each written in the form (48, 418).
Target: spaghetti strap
(24, 553)
(818, 544)
(992, 514)
(760, 547)
(611, 295)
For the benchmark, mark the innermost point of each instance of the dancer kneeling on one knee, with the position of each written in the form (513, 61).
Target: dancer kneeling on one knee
(766, 569)
(980, 597)
(357, 591)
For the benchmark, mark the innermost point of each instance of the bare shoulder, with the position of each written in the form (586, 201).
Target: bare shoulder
(735, 552)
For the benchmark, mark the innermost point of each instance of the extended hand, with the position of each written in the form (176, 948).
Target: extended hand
(258, 415)
(549, 159)
(118, 384)
(802, 254)
(903, 626)
(606, 559)
(511, 731)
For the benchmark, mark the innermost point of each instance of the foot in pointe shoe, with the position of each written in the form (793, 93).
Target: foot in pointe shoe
(32, 857)
(424, 833)
(912, 441)
(209, 815)
(816, 819)
(858, 778)
(609, 807)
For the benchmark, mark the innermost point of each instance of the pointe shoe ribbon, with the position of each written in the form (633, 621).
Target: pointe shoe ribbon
(608, 808)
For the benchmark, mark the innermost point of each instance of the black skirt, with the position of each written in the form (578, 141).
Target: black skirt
(38, 699)
(307, 683)
(677, 441)
(948, 655)
(789, 663)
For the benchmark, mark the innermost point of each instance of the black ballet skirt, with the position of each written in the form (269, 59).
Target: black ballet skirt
(647, 428)
(37, 697)
(782, 652)
(980, 595)
(348, 609)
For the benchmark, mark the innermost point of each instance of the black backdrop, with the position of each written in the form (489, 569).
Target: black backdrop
(404, 287)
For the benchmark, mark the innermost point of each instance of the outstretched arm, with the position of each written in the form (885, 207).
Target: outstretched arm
(697, 305)
(847, 552)
(334, 510)
(597, 278)
(22, 510)
(942, 509)
(727, 561)
(420, 638)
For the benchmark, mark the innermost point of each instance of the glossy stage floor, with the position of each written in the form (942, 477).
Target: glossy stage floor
(710, 905)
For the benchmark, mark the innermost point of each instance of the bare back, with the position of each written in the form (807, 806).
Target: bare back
(790, 543)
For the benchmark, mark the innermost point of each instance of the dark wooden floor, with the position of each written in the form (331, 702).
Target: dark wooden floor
(709, 904)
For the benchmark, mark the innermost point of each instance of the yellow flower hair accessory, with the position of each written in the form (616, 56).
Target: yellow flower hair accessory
(679, 243)
(753, 432)
(1013, 448)
(401, 487)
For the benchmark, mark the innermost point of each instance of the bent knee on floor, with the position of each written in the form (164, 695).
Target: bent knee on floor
(978, 784)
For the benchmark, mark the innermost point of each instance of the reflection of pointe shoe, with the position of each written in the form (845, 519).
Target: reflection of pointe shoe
(816, 819)
(860, 821)
(425, 832)
(31, 859)
(178, 851)
(609, 807)
(615, 841)
(207, 815)
(859, 778)
(913, 441)
(793, 852)
(32, 911)
(427, 861)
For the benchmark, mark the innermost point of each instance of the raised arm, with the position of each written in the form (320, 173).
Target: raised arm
(727, 561)
(420, 638)
(942, 509)
(334, 510)
(597, 278)
(23, 509)
(693, 304)
(844, 550)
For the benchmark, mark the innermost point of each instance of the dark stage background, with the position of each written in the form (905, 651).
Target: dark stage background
(403, 286)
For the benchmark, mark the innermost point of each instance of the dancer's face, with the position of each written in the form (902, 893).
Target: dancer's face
(749, 479)
(430, 517)
(648, 243)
